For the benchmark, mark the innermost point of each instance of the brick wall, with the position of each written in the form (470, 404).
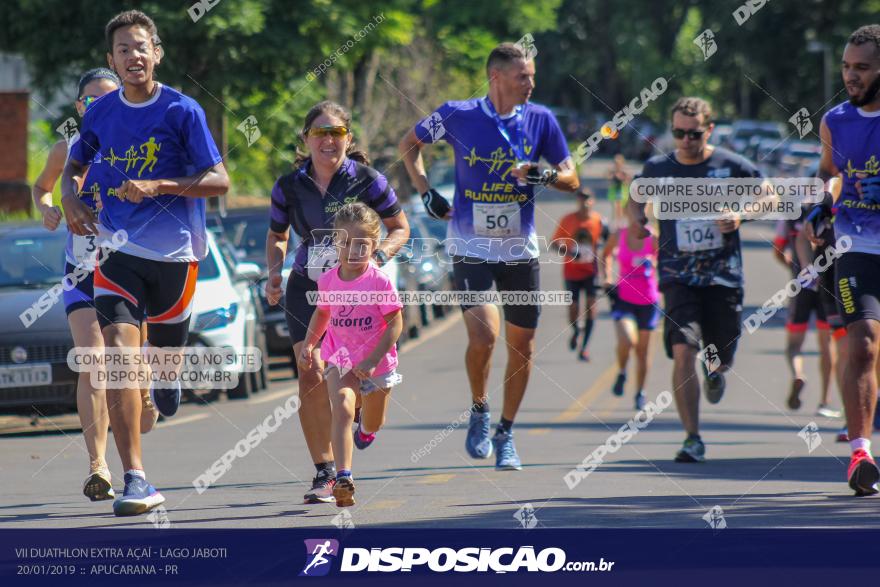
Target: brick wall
(14, 191)
(13, 136)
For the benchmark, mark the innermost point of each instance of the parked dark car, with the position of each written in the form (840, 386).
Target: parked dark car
(246, 230)
(747, 134)
(34, 334)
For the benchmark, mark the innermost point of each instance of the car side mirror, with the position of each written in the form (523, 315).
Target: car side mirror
(249, 271)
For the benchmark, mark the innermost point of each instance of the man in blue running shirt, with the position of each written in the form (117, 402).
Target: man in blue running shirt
(850, 134)
(498, 140)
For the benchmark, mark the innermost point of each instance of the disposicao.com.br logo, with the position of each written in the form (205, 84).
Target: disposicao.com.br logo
(442, 560)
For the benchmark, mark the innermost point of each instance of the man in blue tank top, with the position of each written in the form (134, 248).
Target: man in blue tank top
(850, 135)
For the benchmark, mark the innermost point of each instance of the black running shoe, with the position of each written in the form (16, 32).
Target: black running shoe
(618, 384)
(166, 399)
(692, 451)
(713, 387)
(322, 488)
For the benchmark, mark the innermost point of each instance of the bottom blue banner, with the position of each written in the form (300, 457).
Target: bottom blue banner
(392, 556)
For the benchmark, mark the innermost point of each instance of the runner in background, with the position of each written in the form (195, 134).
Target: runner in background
(618, 189)
(588, 229)
(635, 300)
(700, 271)
(807, 251)
(805, 304)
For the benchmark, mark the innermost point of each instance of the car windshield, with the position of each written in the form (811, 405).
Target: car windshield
(30, 259)
(248, 234)
(208, 268)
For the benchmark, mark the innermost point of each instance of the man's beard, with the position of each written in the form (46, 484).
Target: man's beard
(870, 94)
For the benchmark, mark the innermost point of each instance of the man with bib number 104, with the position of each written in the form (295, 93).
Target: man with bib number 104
(700, 271)
(498, 141)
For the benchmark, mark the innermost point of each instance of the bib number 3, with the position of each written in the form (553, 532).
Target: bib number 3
(84, 249)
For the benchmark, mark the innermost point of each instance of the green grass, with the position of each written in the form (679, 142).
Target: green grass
(41, 137)
(19, 216)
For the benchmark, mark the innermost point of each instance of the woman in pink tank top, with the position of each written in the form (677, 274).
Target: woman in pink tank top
(634, 302)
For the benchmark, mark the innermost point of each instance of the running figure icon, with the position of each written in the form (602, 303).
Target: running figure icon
(319, 558)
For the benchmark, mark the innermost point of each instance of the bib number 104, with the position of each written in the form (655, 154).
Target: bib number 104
(701, 236)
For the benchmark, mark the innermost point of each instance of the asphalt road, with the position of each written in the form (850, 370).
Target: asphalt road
(760, 472)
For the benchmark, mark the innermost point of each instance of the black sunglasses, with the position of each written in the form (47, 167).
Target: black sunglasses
(693, 135)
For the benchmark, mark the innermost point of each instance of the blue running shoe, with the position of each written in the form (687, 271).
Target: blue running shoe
(139, 497)
(640, 401)
(477, 443)
(166, 399)
(506, 458)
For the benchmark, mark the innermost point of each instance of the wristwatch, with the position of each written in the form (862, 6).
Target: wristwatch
(381, 257)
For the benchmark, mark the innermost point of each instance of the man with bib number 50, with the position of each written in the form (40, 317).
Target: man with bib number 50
(498, 141)
(700, 271)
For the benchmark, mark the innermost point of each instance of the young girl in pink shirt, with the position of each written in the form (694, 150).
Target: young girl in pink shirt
(358, 314)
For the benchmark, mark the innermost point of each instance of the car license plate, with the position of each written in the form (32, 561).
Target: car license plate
(25, 375)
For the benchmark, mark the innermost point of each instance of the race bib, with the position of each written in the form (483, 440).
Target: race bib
(497, 220)
(697, 235)
(85, 250)
(322, 258)
(586, 253)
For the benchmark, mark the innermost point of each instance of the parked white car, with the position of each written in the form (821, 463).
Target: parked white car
(226, 313)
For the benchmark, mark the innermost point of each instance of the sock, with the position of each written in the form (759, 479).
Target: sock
(137, 473)
(481, 408)
(327, 468)
(693, 437)
(860, 443)
(364, 434)
(588, 330)
(504, 426)
(343, 473)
